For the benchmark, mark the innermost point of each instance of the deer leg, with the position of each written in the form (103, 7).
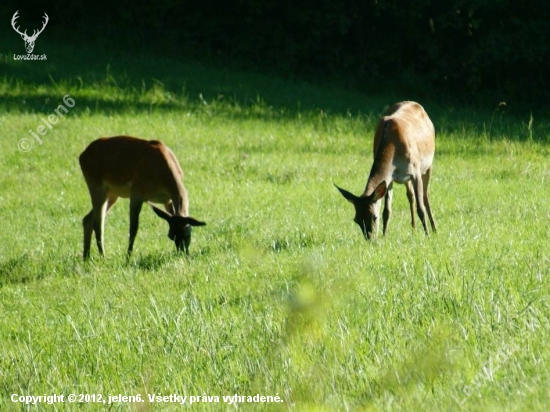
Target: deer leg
(99, 225)
(88, 223)
(110, 202)
(426, 181)
(90, 226)
(419, 195)
(410, 196)
(387, 207)
(169, 207)
(95, 219)
(135, 210)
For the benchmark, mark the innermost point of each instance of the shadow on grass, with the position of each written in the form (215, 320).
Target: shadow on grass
(149, 262)
(87, 69)
(106, 81)
(156, 261)
(26, 268)
(16, 270)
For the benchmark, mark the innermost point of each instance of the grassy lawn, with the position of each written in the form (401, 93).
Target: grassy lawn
(280, 294)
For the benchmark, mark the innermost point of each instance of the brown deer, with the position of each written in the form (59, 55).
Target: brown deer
(404, 146)
(143, 171)
(29, 40)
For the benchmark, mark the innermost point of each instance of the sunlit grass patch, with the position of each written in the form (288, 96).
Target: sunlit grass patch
(280, 292)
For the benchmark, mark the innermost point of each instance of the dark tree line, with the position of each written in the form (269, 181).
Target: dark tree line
(458, 46)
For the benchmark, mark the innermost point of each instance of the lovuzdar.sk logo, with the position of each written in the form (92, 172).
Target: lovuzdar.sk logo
(29, 40)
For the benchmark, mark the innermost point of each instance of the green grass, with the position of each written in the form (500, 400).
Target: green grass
(280, 295)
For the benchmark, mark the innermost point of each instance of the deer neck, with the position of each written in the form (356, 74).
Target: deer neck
(382, 170)
(180, 200)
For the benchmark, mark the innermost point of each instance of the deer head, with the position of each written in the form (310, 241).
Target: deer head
(29, 40)
(180, 228)
(366, 209)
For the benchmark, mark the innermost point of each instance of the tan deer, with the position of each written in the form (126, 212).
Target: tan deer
(404, 146)
(143, 171)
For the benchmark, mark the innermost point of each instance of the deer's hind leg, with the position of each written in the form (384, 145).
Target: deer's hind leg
(94, 220)
(410, 197)
(425, 182)
(88, 224)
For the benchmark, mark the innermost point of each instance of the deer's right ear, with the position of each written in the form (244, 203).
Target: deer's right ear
(160, 213)
(350, 197)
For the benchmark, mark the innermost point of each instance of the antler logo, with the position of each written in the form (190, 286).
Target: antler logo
(29, 40)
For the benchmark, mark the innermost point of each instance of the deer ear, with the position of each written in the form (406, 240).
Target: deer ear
(194, 222)
(380, 191)
(350, 197)
(160, 213)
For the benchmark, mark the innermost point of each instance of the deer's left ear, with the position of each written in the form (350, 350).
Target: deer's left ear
(380, 191)
(194, 222)
(160, 213)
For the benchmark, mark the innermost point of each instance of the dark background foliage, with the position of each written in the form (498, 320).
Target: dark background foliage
(459, 47)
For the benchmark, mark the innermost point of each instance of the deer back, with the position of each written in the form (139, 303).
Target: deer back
(404, 145)
(135, 167)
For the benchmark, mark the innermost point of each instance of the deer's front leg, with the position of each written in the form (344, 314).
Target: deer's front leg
(135, 210)
(387, 207)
